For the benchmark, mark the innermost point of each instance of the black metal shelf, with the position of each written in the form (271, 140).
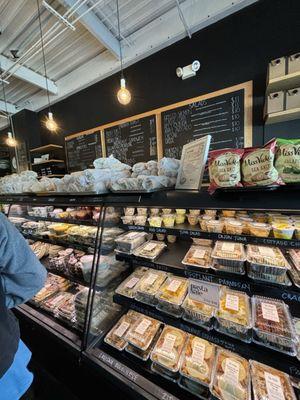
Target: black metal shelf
(248, 350)
(83, 247)
(187, 230)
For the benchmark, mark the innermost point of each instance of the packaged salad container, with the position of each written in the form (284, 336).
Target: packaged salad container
(231, 377)
(270, 383)
(129, 241)
(198, 256)
(233, 318)
(151, 250)
(171, 295)
(198, 313)
(167, 352)
(272, 325)
(143, 354)
(294, 255)
(229, 257)
(128, 287)
(197, 362)
(149, 286)
(142, 332)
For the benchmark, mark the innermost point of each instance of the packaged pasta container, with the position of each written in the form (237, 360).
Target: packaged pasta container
(143, 354)
(258, 166)
(203, 242)
(151, 250)
(287, 160)
(224, 168)
(171, 295)
(198, 256)
(294, 255)
(129, 241)
(270, 383)
(167, 351)
(142, 332)
(197, 360)
(296, 322)
(233, 318)
(231, 377)
(272, 325)
(129, 287)
(149, 286)
(198, 313)
(229, 257)
(116, 336)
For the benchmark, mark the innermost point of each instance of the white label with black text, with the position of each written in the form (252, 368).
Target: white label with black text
(228, 247)
(132, 282)
(121, 329)
(269, 312)
(232, 302)
(274, 387)
(143, 326)
(232, 370)
(174, 285)
(198, 353)
(168, 343)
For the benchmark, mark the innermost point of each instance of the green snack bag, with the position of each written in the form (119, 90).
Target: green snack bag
(287, 160)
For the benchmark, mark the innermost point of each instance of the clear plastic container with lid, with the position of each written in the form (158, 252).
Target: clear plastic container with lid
(129, 241)
(129, 286)
(143, 354)
(198, 256)
(231, 377)
(214, 225)
(171, 295)
(234, 227)
(283, 230)
(272, 325)
(149, 286)
(155, 221)
(259, 229)
(296, 322)
(203, 242)
(142, 332)
(229, 257)
(167, 352)
(294, 255)
(151, 250)
(233, 318)
(198, 313)
(270, 383)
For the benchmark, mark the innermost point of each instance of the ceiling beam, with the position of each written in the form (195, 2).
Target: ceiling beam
(27, 75)
(96, 27)
(10, 108)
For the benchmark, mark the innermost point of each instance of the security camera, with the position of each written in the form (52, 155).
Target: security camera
(188, 71)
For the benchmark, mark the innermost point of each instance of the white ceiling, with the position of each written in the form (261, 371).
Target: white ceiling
(78, 58)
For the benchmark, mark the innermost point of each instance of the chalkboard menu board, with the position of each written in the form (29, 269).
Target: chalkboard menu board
(132, 141)
(222, 117)
(82, 150)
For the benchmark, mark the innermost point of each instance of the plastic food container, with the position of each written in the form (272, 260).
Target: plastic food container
(294, 255)
(151, 250)
(234, 227)
(155, 221)
(127, 219)
(214, 226)
(167, 352)
(270, 383)
(179, 218)
(171, 295)
(229, 257)
(129, 241)
(198, 256)
(181, 211)
(260, 217)
(193, 219)
(166, 210)
(140, 220)
(231, 377)
(143, 354)
(246, 224)
(149, 285)
(296, 322)
(202, 242)
(272, 325)
(171, 238)
(211, 213)
(142, 332)
(129, 211)
(142, 211)
(154, 211)
(267, 263)
(168, 220)
(160, 236)
(228, 213)
(233, 318)
(198, 313)
(128, 287)
(197, 360)
(259, 229)
(283, 231)
(194, 212)
(116, 336)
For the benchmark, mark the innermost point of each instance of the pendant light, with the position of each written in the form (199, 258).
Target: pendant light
(123, 95)
(49, 121)
(10, 140)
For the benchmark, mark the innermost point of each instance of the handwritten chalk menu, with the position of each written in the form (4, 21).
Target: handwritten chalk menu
(222, 117)
(82, 150)
(132, 141)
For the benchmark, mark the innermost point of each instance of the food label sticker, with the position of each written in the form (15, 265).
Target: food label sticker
(132, 235)
(228, 246)
(232, 370)
(150, 279)
(269, 312)
(204, 292)
(266, 251)
(174, 285)
(121, 329)
(274, 387)
(199, 253)
(198, 353)
(143, 326)
(150, 246)
(132, 282)
(168, 343)
(232, 302)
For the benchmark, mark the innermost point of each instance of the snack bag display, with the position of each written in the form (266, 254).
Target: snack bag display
(258, 166)
(287, 160)
(224, 168)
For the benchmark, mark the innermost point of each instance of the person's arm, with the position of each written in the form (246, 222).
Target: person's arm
(21, 273)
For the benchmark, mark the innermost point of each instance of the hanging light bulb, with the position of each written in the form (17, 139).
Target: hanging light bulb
(124, 95)
(10, 141)
(51, 123)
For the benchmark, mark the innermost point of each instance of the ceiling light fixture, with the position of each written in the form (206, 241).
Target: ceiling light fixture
(49, 121)
(123, 95)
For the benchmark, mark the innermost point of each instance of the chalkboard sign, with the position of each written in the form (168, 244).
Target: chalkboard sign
(82, 150)
(220, 116)
(132, 141)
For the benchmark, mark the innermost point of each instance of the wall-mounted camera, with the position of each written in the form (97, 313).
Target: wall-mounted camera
(188, 71)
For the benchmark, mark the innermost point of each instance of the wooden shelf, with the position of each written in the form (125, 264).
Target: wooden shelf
(281, 116)
(289, 81)
(47, 147)
(51, 176)
(48, 162)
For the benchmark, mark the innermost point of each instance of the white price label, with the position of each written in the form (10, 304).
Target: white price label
(228, 246)
(269, 311)
(266, 251)
(121, 329)
(204, 292)
(168, 343)
(174, 285)
(151, 278)
(132, 282)
(198, 353)
(132, 235)
(232, 302)
(150, 247)
(143, 326)
(274, 387)
(200, 253)
(232, 370)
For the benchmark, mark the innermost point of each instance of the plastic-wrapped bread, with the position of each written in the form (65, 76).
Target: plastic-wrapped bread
(168, 167)
(139, 167)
